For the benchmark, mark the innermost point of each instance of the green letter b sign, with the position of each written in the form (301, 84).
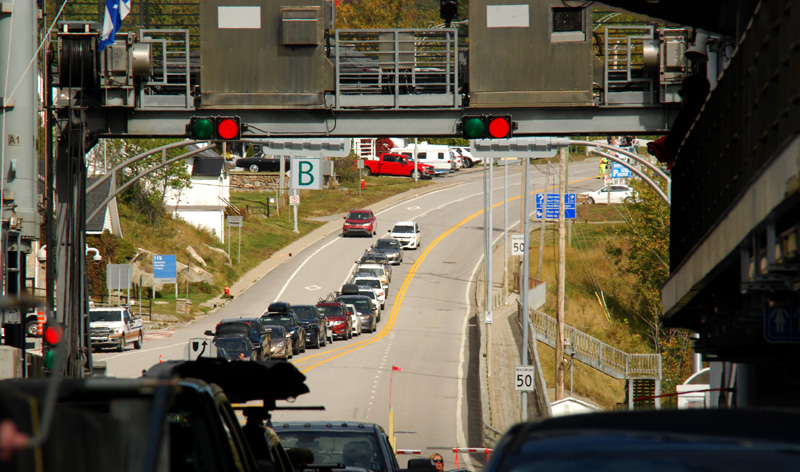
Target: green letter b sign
(306, 173)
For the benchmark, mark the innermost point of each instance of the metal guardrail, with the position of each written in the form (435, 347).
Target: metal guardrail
(594, 352)
(170, 85)
(396, 68)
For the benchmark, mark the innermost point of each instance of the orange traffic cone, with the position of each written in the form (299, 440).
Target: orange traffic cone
(160, 358)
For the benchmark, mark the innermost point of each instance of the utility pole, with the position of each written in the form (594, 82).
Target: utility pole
(561, 277)
(524, 286)
(544, 224)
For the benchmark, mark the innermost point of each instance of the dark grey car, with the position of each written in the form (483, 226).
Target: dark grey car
(362, 445)
(391, 247)
(363, 304)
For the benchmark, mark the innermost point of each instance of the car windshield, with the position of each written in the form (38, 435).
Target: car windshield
(360, 215)
(305, 312)
(275, 331)
(368, 282)
(403, 229)
(372, 272)
(330, 310)
(334, 447)
(387, 244)
(111, 315)
(362, 304)
(232, 343)
(278, 320)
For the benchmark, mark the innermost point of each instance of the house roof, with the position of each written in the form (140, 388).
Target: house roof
(93, 201)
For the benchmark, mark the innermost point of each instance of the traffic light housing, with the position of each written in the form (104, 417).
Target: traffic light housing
(486, 126)
(448, 10)
(52, 345)
(215, 128)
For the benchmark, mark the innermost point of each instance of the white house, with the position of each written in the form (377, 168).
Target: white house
(203, 203)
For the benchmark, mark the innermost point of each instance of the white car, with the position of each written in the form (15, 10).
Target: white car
(616, 193)
(467, 157)
(354, 318)
(378, 270)
(375, 284)
(407, 232)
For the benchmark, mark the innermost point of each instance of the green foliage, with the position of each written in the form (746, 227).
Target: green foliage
(642, 251)
(374, 14)
(447, 141)
(346, 170)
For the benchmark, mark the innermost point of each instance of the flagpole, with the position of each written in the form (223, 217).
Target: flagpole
(392, 439)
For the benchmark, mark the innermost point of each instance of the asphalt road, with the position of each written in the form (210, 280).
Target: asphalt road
(424, 327)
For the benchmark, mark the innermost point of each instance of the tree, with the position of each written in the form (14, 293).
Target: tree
(643, 251)
(374, 14)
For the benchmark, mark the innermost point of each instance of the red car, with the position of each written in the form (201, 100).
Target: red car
(339, 323)
(360, 222)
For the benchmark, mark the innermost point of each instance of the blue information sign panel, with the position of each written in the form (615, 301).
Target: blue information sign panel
(618, 171)
(549, 203)
(781, 323)
(164, 269)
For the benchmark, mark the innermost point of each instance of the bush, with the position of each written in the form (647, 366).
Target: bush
(346, 170)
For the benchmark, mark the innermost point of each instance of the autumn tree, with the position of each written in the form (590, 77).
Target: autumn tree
(643, 251)
(374, 14)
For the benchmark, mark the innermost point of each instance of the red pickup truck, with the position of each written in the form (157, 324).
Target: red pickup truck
(396, 164)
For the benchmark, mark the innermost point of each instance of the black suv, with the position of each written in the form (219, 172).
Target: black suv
(282, 314)
(315, 324)
(249, 327)
(363, 445)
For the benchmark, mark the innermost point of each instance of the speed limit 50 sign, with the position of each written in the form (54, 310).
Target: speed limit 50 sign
(517, 244)
(523, 378)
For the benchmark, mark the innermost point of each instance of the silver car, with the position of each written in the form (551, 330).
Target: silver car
(391, 247)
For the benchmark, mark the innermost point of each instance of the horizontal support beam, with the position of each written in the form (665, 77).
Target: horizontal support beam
(121, 123)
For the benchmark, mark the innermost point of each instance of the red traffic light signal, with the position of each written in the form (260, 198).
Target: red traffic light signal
(228, 127)
(52, 339)
(486, 126)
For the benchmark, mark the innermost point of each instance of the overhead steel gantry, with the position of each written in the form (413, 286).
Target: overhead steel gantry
(284, 70)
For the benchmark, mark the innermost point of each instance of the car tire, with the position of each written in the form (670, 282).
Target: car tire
(303, 349)
(629, 200)
(367, 171)
(121, 346)
(32, 329)
(139, 341)
(590, 200)
(253, 168)
(414, 174)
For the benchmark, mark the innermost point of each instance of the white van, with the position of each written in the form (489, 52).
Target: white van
(441, 157)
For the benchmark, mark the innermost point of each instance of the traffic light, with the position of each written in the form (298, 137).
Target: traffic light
(486, 126)
(215, 128)
(52, 349)
(448, 9)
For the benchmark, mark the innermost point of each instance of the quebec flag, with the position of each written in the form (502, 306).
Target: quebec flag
(116, 11)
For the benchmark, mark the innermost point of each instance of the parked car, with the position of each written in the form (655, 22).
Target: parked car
(262, 163)
(407, 234)
(286, 318)
(362, 445)
(391, 247)
(116, 327)
(466, 156)
(617, 193)
(315, 324)
(396, 164)
(373, 283)
(280, 342)
(355, 320)
(248, 327)
(235, 346)
(339, 323)
(364, 308)
(360, 222)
